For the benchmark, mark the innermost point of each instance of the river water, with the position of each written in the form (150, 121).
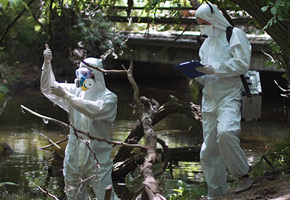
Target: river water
(29, 166)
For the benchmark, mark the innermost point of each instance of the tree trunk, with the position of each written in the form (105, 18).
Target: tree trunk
(278, 31)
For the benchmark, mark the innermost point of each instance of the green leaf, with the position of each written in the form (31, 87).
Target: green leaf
(3, 89)
(26, 6)
(280, 18)
(3, 4)
(274, 10)
(8, 183)
(265, 8)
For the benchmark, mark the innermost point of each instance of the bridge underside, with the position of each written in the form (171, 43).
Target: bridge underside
(164, 49)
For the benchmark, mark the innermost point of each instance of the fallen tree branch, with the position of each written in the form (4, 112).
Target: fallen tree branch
(52, 142)
(173, 106)
(166, 153)
(82, 132)
(46, 192)
(136, 95)
(51, 145)
(151, 188)
(121, 169)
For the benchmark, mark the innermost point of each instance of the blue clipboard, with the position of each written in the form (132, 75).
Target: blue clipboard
(188, 68)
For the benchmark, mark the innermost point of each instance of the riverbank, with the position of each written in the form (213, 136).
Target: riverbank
(277, 189)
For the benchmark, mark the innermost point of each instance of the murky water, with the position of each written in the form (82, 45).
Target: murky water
(28, 167)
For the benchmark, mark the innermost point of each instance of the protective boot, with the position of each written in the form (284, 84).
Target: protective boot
(244, 184)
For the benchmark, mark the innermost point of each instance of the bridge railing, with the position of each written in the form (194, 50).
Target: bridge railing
(186, 16)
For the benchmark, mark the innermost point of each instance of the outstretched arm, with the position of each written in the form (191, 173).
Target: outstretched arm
(48, 82)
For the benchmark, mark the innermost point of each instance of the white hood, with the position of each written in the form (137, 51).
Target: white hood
(98, 76)
(216, 18)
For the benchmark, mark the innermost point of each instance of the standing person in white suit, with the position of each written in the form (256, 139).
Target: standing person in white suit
(224, 62)
(92, 108)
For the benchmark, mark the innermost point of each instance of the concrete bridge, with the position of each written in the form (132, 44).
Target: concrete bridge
(159, 50)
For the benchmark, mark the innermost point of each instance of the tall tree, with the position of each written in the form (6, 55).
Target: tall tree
(273, 16)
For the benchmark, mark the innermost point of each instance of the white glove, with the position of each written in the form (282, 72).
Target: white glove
(208, 69)
(47, 54)
(57, 90)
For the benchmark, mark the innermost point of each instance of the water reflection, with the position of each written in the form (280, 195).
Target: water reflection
(28, 167)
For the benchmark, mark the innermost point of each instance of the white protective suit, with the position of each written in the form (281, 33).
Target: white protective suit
(221, 103)
(92, 111)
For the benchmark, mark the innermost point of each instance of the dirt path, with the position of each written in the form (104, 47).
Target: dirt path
(278, 189)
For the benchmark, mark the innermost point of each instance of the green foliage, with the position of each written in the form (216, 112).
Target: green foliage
(13, 4)
(280, 10)
(21, 195)
(278, 158)
(226, 4)
(275, 59)
(184, 192)
(276, 51)
(95, 32)
(10, 77)
(3, 95)
(21, 38)
(7, 183)
(194, 92)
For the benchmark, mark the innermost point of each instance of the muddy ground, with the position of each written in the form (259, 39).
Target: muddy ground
(278, 189)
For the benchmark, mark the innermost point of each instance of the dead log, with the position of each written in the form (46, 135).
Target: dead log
(151, 187)
(187, 154)
(5, 149)
(121, 169)
(173, 106)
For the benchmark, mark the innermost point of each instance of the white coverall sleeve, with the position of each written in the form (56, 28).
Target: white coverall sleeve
(201, 79)
(102, 109)
(47, 80)
(240, 49)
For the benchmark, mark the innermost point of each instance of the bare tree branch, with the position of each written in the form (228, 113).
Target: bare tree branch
(82, 132)
(50, 145)
(44, 117)
(104, 70)
(135, 87)
(46, 192)
(52, 142)
(151, 187)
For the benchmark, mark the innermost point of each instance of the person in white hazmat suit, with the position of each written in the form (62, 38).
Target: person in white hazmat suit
(92, 108)
(221, 102)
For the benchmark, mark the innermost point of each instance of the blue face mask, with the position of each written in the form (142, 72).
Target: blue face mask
(84, 83)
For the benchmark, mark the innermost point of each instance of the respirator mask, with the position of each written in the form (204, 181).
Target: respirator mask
(84, 79)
